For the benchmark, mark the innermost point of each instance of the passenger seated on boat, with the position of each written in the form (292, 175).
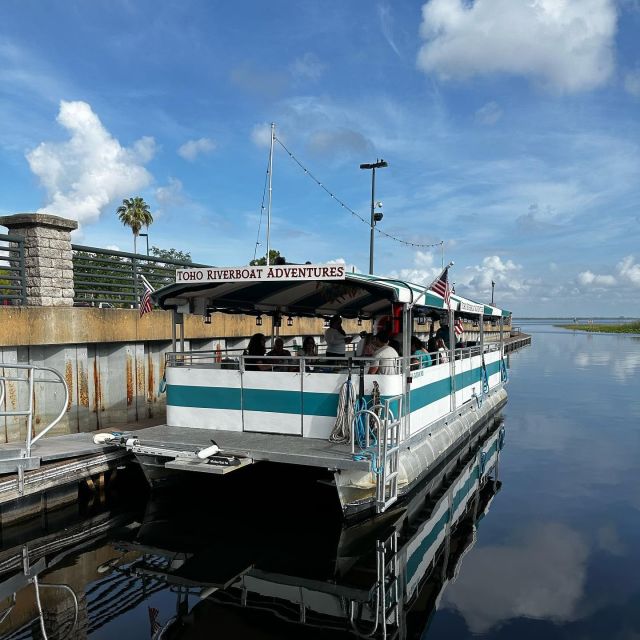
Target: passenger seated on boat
(365, 347)
(336, 338)
(309, 347)
(256, 349)
(420, 356)
(309, 350)
(443, 356)
(385, 356)
(443, 334)
(279, 350)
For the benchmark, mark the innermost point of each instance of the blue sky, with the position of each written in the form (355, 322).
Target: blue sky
(510, 127)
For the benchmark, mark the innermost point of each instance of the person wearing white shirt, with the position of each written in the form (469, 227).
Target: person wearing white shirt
(336, 338)
(385, 357)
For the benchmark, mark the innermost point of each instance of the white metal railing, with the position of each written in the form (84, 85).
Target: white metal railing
(236, 359)
(30, 380)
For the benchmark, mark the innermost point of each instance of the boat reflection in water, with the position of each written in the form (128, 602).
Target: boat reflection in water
(254, 575)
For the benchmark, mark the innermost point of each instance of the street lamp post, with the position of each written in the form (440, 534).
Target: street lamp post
(375, 217)
(493, 284)
(146, 235)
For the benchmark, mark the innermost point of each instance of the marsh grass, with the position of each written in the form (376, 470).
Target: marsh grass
(626, 327)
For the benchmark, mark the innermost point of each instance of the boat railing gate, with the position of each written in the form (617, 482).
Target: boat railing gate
(389, 440)
(24, 458)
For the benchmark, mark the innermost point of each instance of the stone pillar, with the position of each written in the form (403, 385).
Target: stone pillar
(48, 257)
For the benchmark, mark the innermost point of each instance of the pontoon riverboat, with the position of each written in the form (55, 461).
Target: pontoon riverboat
(223, 414)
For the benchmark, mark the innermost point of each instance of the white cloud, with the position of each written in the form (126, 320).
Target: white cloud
(113, 247)
(541, 576)
(191, 149)
(476, 281)
(627, 272)
(91, 169)
(307, 67)
(590, 279)
(425, 269)
(170, 196)
(567, 45)
(632, 82)
(489, 113)
(329, 140)
(261, 134)
(386, 24)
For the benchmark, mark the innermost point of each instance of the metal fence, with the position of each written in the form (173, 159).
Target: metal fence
(113, 278)
(13, 285)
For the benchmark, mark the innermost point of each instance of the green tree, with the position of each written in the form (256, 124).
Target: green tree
(170, 254)
(135, 213)
(259, 262)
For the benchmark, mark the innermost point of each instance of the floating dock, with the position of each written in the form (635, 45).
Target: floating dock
(60, 462)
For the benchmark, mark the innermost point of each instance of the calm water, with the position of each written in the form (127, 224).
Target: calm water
(545, 546)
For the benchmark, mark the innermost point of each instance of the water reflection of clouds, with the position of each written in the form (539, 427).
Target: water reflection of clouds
(608, 540)
(623, 365)
(542, 575)
(581, 461)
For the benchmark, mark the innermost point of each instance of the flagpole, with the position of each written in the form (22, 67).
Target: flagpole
(146, 282)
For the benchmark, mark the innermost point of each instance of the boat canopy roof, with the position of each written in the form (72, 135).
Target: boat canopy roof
(355, 295)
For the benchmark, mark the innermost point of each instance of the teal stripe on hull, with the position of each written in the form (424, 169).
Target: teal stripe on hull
(179, 395)
(269, 400)
(315, 404)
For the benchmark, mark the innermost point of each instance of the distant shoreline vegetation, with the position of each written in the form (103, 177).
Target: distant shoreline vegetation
(625, 327)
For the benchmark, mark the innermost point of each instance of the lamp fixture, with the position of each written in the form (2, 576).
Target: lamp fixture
(289, 321)
(326, 323)
(258, 321)
(207, 317)
(359, 320)
(422, 319)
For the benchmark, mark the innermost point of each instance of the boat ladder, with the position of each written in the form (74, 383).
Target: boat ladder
(389, 440)
(20, 458)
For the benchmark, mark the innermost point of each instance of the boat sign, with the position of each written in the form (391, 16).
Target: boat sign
(471, 308)
(279, 273)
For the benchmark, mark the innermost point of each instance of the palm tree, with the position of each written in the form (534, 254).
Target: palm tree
(135, 213)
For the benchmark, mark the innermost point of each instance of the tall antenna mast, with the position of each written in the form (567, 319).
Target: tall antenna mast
(273, 137)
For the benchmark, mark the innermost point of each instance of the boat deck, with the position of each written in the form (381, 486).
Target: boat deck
(257, 446)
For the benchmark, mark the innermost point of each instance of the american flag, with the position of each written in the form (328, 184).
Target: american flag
(458, 327)
(441, 287)
(145, 301)
(153, 620)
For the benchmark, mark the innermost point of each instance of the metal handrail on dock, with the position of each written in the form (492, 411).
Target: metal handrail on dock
(30, 380)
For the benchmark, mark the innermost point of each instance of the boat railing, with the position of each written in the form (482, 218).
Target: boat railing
(236, 359)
